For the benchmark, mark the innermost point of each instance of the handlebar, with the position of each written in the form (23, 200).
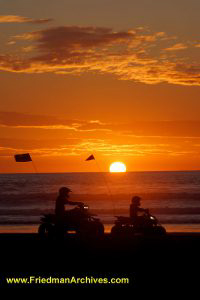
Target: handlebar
(81, 205)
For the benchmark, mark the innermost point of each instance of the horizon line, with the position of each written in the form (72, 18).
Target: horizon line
(147, 171)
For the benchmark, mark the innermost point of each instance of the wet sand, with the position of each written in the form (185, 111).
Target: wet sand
(33, 228)
(170, 263)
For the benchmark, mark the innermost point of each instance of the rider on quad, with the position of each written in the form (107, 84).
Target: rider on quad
(136, 210)
(79, 219)
(140, 222)
(61, 201)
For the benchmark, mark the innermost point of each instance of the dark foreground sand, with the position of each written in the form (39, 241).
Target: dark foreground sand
(167, 263)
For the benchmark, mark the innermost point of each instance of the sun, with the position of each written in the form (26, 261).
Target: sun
(117, 167)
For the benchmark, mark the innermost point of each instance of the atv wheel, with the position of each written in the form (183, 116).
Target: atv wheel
(154, 231)
(93, 230)
(46, 230)
(160, 231)
(116, 231)
(98, 229)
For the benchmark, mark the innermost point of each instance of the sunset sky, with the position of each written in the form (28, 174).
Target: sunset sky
(117, 79)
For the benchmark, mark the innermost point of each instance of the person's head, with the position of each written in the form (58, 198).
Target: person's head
(64, 191)
(136, 200)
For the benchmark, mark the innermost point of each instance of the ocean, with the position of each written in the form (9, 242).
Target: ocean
(173, 197)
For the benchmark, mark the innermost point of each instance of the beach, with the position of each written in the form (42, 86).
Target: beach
(168, 263)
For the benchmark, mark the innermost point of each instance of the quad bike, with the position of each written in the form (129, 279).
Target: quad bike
(78, 220)
(145, 225)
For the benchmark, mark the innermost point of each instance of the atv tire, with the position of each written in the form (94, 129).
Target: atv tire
(46, 230)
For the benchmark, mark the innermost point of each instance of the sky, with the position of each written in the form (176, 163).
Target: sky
(117, 79)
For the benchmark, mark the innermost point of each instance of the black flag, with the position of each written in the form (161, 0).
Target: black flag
(23, 157)
(91, 157)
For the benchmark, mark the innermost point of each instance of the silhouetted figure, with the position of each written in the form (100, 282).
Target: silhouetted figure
(62, 200)
(135, 208)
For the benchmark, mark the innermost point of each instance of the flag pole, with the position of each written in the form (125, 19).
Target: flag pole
(26, 157)
(91, 157)
(108, 188)
(34, 167)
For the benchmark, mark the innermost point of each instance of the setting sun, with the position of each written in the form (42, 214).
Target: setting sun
(117, 167)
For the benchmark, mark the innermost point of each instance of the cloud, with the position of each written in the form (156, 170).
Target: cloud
(133, 55)
(23, 120)
(15, 119)
(79, 147)
(161, 128)
(109, 149)
(179, 46)
(157, 129)
(20, 19)
(138, 138)
(34, 143)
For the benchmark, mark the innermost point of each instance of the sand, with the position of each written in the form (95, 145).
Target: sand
(169, 262)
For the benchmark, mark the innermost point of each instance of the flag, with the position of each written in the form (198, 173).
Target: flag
(23, 157)
(91, 157)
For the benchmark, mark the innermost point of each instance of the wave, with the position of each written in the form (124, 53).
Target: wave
(101, 196)
(109, 211)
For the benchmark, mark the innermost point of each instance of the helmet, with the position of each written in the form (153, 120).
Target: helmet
(64, 191)
(136, 200)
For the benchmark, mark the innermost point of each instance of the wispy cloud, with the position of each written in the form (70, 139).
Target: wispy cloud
(103, 148)
(176, 47)
(129, 55)
(158, 129)
(20, 19)
(23, 120)
(77, 137)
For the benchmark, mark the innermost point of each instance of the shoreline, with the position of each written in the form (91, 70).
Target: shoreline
(33, 228)
(168, 262)
(30, 234)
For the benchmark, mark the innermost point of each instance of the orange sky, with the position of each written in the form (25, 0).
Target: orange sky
(79, 80)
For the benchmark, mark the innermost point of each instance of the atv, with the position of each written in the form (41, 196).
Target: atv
(145, 225)
(78, 220)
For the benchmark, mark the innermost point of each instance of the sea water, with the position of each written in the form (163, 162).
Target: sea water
(173, 197)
